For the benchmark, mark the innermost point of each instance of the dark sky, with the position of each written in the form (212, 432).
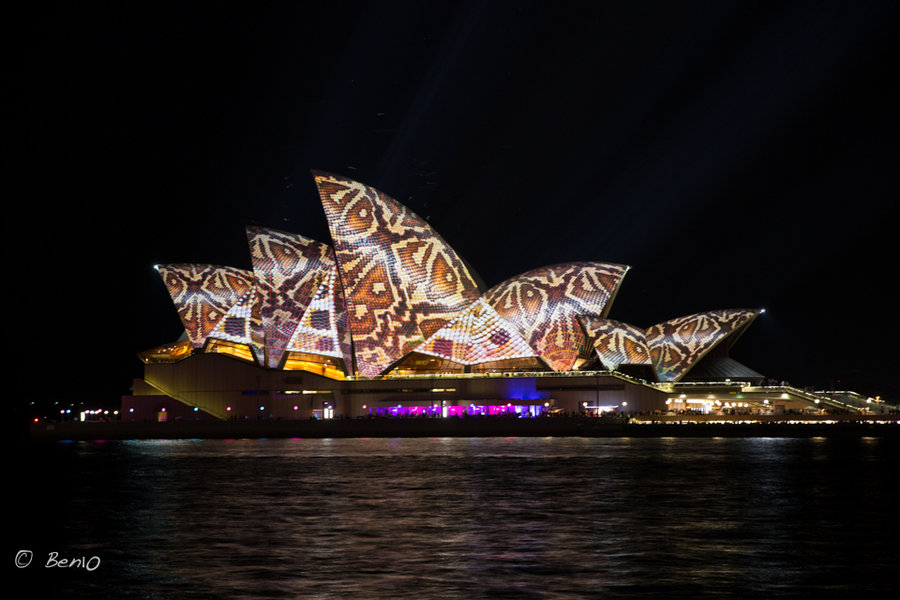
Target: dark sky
(734, 154)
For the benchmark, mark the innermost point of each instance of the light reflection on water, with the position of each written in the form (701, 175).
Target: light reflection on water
(469, 518)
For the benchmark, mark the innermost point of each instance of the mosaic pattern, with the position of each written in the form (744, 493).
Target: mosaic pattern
(617, 343)
(678, 344)
(392, 286)
(544, 304)
(342, 321)
(477, 335)
(243, 325)
(203, 295)
(289, 270)
(317, 331)
(401, 281)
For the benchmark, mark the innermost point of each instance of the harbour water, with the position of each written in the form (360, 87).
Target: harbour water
(458, 518)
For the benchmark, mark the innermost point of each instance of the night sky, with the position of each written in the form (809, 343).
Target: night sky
(734, 154)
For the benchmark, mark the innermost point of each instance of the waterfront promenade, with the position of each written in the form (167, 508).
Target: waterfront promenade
(649, 426)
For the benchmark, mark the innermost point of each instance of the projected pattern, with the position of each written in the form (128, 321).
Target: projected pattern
(401, 281)
(543, 305)
(203, 295)
(317, 332)
(676, 345)
(617, 343)
(289, 270)
(477, 335)
(242, 325)
(392, 285)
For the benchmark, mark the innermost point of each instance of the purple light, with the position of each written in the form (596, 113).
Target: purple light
(522, 410)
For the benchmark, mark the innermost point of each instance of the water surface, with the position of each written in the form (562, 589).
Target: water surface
(462, 518)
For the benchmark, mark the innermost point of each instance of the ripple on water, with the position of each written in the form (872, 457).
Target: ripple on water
(471, 518)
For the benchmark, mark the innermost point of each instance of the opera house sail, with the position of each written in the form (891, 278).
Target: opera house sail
(388, 299)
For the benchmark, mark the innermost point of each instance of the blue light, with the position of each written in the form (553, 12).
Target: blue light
(523, 389)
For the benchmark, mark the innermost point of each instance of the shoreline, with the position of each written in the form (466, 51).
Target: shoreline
(475, 427)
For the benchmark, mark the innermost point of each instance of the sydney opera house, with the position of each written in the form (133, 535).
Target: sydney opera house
(388, 320)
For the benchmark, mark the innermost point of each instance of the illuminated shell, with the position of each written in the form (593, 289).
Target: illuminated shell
(322, 325)
(242, 324)
(678, 344)
(477, 335)
(203, 295)
(391, 285)
(544, 304)
(401, 281)
(617, 343)
(289, 271)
